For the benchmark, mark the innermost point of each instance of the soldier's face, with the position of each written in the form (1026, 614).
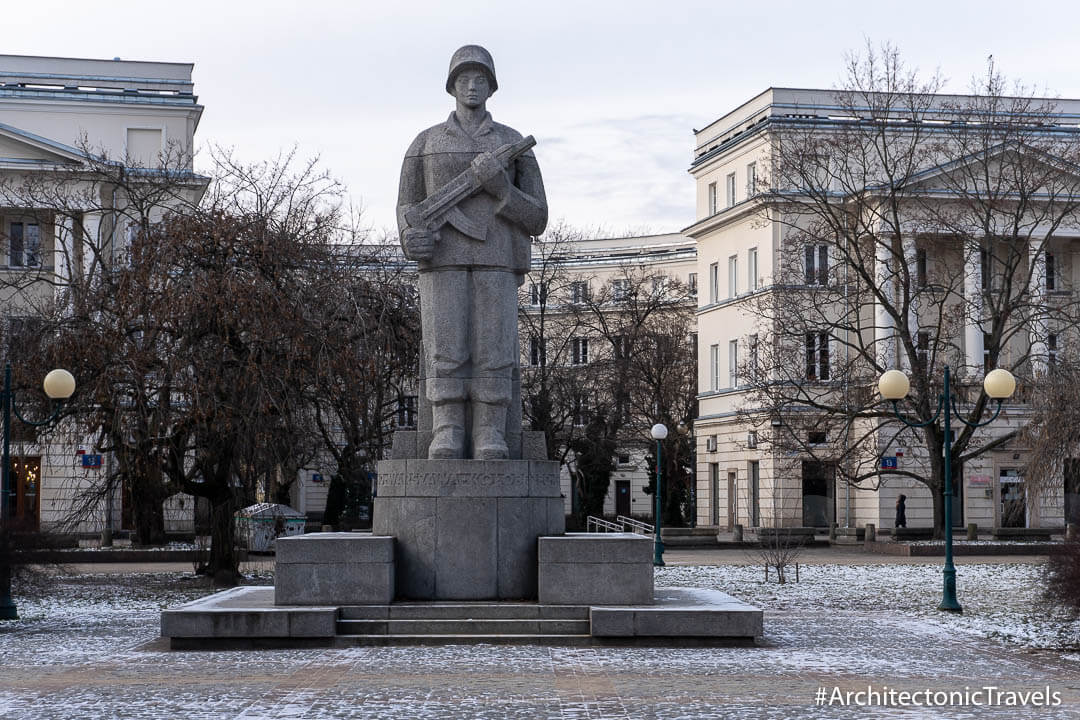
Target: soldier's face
(471, 88)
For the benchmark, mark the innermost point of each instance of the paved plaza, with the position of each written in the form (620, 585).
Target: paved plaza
(87, 648)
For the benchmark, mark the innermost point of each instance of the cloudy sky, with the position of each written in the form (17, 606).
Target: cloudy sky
(611, 90)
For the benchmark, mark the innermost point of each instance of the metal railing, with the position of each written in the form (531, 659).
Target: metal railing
(595, 524)
(635, 526)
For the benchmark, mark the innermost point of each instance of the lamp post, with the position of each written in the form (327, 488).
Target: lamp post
(999, 384)
(659, 432)
(58, 385)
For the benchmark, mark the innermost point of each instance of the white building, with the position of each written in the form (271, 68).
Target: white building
(57, 116)
(750, 244)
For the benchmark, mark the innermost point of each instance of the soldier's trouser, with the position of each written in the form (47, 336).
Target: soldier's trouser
(470, 341)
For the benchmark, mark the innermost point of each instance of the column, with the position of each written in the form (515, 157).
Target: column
(973, 304)
(1037, 326)
(911, 262)
(884, 324)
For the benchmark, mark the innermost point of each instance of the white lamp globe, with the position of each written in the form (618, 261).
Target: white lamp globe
(999, 384)
(59, 384)
(893, 385)
(659, 431)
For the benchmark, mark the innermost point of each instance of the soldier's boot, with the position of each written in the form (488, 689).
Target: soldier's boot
(489, 431)
(490, 401)
(447, 398)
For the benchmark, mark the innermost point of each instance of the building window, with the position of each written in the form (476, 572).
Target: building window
(817, 264)
(406, 412)
(1051, 272)
(984, 269)
(920, 268)
(714, 367)
(751, 180)
(691, 283)
(581, 411)
(1052, 349)
(538, 294)
(733, 363)
(24, 245)
(817, 356)
(731, 190)
(620, 290)
(733, 276)
(579, 291)
(537, 352)
(816, 437)
(752, 358)
(659, 285)
(579, 351)
(714, 282)
(712, 198)
(923, 349)
(751, 269)
(620, 346)
(986, 353)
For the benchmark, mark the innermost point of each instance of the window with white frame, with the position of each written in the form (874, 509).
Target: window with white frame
(712, 198)
(714, 367)
(538, 293)
(537, 352)
(751, 269)
(733, 276)
(579, 291)
(923, 349)
(620, 289)
(579, 350)
(751, 180)
(714, 282)
(733, 363)
(24, 244)
(620, 347)
(1053, 273)
(817, 356)
(581, 411)
(406, 411)
(691, 283)
(816, 264)
(731, 190)
(752, 360)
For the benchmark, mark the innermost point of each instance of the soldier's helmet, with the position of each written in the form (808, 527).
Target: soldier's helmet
(471, 56)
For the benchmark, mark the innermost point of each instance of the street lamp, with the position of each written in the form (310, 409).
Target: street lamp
(58, 385)
(659, 432)
(999, 384)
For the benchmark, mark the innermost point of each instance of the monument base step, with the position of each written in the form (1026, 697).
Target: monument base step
(247, 617)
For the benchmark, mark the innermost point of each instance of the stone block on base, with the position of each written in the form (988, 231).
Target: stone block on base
(334, 569)
(595, 569)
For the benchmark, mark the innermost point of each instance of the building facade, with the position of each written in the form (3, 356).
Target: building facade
(801, 308)
(61, 121)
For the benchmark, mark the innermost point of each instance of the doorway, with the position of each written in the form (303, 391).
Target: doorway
(732, 477)
(818, 493)
(755, 493)
(1072, 490)
(1013, 507)
(622, 498)
(26, 477)
(714, 494)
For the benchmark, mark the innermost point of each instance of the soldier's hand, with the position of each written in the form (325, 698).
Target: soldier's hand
(419, 244)
(491, 175)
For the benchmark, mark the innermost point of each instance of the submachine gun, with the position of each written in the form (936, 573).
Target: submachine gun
(441, 206)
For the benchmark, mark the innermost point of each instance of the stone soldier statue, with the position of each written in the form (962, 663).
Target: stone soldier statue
(470, 200)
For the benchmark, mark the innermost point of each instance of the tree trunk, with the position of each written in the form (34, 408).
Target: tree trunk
(147, 512)
(224, 563)
(936, 481)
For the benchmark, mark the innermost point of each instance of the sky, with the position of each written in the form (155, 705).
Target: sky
(611, 90)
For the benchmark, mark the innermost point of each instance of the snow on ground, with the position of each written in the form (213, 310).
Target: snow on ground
(1000, 601)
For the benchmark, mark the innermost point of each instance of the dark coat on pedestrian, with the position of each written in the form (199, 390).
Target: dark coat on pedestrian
(901, 511)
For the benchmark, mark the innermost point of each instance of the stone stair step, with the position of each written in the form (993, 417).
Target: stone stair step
(460, 611)
(429, 626)
(386, 640)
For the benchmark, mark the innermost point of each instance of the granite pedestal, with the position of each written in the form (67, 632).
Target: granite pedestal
(334, 569)
(596, 569)
(467, 529)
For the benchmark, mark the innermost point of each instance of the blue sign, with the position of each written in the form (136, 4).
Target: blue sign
(888, 463)
(91, 461)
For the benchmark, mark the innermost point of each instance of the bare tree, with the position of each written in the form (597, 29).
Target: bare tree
(980, 186)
